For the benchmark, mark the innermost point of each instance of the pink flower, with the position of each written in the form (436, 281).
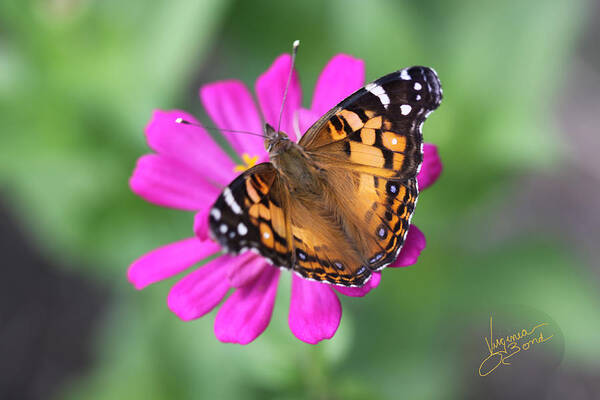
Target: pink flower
(188, 172)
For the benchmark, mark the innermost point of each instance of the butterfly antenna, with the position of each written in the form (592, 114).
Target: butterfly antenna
(186, 122)
(287, 85)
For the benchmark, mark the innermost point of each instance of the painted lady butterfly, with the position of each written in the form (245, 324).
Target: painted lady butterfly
(337, 205)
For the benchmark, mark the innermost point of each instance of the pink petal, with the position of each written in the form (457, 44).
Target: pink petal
(360, 291)
(201, 228)
(199, 292)
(190, 145)
(414, 244)
(269, 90)
(315, 310)
(342, 76)
(246, 269)
(246, 314)
(169, 260)
(231, 106)
(167, 182)
(431, 167)
(305, 119)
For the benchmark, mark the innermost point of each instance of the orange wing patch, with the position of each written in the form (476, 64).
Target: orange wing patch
(367, 136)
(364, 154)
(393, 141)
(351, 120)
(365, 142)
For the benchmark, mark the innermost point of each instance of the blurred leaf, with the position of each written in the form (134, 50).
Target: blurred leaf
(76, 113)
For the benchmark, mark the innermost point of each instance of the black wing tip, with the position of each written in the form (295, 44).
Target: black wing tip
(425, 76)
(430, 76)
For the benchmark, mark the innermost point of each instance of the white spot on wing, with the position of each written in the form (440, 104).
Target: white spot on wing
(418, 86)
(266, 235)
(379, 92)
(242, 229)
(405, 109)
(404, 75)
(228, 196)
(223, 228)
(216, 213)
(394, 141)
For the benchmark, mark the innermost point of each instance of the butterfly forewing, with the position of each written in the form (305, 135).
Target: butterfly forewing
(250, 214)
(403, 98)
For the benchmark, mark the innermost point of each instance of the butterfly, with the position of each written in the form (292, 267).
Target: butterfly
(337, 205)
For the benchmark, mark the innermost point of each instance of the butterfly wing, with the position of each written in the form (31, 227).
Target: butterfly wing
(250, 214)
(370, 149)
(256, 211)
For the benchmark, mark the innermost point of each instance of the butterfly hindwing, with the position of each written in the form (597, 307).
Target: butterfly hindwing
(386, 208)
(322, 250)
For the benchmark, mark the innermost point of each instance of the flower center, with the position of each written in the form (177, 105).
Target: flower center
(249, 162)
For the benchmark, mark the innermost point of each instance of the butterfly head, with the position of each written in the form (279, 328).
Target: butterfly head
(276, 142)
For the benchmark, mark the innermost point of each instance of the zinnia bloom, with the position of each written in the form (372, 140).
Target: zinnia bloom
(188, 171)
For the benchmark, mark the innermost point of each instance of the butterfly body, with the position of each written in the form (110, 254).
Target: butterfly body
(294, 166)
(337, 205)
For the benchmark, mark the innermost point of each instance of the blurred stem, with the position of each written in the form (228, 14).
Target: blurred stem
(316, 373)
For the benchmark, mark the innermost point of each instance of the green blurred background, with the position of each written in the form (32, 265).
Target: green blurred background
(512, 225)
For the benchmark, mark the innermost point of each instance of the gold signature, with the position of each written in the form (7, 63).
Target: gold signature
(504, 348)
